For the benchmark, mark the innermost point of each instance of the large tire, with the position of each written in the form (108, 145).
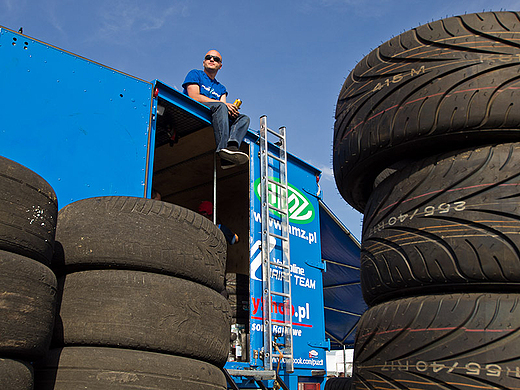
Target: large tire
(140, 234)
(143, 311)
(16, 375)
(449, 82)
(338, 383)
(28, 292)
(466, 341)
(75, 368)
(28, 212)
(444, 224)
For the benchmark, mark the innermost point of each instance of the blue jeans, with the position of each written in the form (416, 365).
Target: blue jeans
(224, 133)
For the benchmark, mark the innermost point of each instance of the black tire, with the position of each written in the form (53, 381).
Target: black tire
(140, 234)
(28, 291)
(444, 224)
(28, 212)
(338, 383)
(460, 341)
(97, 368)
(143, 311)
(16, 375)
(449, 82)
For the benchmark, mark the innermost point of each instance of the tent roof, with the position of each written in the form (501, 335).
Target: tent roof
(342, 296)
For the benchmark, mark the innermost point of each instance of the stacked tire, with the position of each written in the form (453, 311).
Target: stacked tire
(426, 145)
(28, 287)
(140, 303)
(338, 383)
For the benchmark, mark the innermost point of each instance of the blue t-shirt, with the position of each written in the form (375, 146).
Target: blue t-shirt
(210, 88)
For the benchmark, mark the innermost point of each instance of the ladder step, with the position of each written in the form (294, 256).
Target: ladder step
(280, 294)
(285, 324)
(283, 185)
(282, 161)
(277, 209)
(274, 132)
(279, 237)
(284, 356)
(281, 265)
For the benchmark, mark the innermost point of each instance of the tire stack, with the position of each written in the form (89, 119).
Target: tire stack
(338, 383)
(426, 145)
(28, 287)
(140, 303)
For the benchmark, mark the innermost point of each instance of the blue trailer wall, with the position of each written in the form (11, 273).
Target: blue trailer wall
(57, 106)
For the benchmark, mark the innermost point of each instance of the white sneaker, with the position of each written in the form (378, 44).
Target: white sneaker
(233, 155)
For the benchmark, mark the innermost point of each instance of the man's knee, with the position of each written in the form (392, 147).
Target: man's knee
(218, 106)
(244, 119)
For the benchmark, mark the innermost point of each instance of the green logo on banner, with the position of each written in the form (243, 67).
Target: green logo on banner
(300, 209)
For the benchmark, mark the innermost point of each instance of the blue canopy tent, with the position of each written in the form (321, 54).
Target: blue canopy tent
(342, 295)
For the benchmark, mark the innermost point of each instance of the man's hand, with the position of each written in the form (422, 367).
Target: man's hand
(232, 109)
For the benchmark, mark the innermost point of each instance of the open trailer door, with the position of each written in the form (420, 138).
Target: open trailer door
(343, 300)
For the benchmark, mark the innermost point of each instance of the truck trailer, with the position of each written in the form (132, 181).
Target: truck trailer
(91, 131)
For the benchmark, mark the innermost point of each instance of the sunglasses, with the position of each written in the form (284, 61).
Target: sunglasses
(215, 58)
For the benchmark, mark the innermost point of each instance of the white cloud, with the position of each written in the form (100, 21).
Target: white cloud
(124, 17)
(357, 6)
(327, 173)
(426, 12)
(52, 10)
(7, 4)
(11, 7)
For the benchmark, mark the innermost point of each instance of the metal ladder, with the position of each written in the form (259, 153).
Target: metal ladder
(275, 207)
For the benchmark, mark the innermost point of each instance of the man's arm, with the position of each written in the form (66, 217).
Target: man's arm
(231, 237)
(194, 93)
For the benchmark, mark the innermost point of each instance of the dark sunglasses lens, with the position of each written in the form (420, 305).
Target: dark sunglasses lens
(215, 58)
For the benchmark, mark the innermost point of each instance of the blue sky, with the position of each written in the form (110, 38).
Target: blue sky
(284, 59)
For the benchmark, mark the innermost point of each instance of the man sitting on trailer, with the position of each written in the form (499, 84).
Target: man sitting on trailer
(229, 126)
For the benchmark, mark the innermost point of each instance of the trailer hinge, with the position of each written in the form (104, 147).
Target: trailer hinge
(324, 344)
(316, 264)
